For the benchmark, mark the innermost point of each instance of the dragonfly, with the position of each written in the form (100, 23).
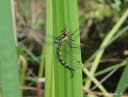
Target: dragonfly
(60, 41)
(64, 38)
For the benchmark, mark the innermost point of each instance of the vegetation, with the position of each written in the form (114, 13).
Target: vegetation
(104, 48)
(9, 75)
(59, 77)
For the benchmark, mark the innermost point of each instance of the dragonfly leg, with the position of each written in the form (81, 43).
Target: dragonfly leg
(72, 74)
(74, 32)
(73, 46)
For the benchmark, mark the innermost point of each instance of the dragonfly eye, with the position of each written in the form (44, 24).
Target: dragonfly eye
(65, 33)
(66, 30)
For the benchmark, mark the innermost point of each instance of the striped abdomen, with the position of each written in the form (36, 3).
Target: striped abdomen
(59, 56)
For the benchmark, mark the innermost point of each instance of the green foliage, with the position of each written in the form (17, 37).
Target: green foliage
(111, 68)
(89, 95)
(116, 5)
(104, 43)
(61, 14)
(97, 17)
(20, 50)
(95, 10)
(122, 83)
(9, 75)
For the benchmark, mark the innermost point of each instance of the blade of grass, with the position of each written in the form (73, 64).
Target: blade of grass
(105, 78)
(8, 59)
(111, 68)
(42, 66)
(104, 91)
(122, 83)
(108, 37)
(89, 95)
(49, 66)
(119, 33)
(30, 54)
(64, 15)
(23, 69)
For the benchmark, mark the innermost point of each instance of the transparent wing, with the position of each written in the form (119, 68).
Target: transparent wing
(28, 28)
(49, 41)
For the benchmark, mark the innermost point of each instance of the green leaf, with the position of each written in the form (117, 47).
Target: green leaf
(9, 75)
(59, 83)
(109, 36)
(122, 83)
(89, 95)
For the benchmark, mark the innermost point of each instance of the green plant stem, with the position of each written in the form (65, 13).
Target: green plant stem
(49, 66)
(110, 68)
(106, 40)
(104, 91)
(42, 66)
(119, 33)
(23, 69)
(30, 54)
(89, 95)
(105, 78)
(122, 83)
(59, 82)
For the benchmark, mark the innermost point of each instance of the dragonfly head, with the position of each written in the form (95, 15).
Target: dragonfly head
(65, 32)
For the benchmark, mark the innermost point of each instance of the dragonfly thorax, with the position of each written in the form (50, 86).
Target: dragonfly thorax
(57, 41)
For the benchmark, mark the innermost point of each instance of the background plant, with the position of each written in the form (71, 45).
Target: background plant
(97, 18)
(8, 58)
